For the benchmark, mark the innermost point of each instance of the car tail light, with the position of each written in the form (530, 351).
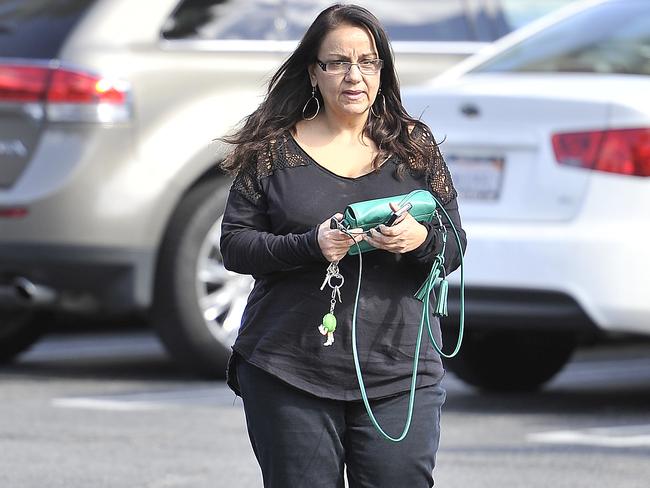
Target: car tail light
(13, 212)
(75, 87)
(621, 151)
(68, 95)
(23, 83)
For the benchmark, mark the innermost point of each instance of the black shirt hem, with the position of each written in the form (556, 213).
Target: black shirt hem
(388, 390)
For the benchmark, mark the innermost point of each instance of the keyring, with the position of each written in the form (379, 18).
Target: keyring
(329, 281)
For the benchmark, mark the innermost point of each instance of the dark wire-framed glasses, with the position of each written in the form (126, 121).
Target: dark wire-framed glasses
(367, 67)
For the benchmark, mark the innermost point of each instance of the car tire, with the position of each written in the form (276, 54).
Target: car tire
(19, 330)
(190, 274)
(512, 360)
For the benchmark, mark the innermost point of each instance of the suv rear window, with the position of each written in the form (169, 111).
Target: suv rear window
(609, 38)
(37, 28)
(406, 20)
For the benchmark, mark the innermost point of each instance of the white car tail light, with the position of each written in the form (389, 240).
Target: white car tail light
(621, 151)
(68, 95)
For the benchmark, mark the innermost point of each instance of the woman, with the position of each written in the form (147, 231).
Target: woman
(332, 131)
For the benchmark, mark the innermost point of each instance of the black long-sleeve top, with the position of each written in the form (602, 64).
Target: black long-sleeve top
(270, 230)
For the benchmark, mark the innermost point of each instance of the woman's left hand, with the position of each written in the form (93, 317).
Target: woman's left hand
(403, 236)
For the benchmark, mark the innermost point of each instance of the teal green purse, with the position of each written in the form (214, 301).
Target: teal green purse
(369, 214)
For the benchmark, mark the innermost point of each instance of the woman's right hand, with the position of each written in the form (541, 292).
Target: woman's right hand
(333, 243)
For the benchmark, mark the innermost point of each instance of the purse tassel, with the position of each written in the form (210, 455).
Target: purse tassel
(441, 302)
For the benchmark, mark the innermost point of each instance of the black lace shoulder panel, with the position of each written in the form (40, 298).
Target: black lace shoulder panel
(279, 154)
(436, 171)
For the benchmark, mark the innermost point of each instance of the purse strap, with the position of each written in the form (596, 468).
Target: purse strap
(433, 281)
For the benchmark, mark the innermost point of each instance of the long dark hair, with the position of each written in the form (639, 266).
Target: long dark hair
(290, 88)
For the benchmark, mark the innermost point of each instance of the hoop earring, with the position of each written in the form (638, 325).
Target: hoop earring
(383, 99)
(304, 108)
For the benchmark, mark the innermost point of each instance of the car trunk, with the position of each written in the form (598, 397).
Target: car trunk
(497, 142)
(31, 35)
(20, 128)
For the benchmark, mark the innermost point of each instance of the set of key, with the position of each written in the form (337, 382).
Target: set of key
(328, 324)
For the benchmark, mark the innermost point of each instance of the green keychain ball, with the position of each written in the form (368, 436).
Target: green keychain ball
(329, 322)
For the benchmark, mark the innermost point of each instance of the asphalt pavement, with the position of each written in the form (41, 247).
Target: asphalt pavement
(108, 409)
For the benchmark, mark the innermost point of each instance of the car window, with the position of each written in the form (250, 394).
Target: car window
(421, 20)
(609, 38)
(37, 28)
(518, 13)
(224, 19)
(404, 20)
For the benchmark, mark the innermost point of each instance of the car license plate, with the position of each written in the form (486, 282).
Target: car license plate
(477, 177)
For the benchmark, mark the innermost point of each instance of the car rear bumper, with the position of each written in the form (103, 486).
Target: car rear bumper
(76, 279)
(544, 274)
(518, 309)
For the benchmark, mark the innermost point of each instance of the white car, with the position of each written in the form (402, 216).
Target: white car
(547, 135)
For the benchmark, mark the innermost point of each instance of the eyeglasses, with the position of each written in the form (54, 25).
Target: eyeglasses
(367, 67)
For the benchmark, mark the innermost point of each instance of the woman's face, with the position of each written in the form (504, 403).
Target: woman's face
(351, 93)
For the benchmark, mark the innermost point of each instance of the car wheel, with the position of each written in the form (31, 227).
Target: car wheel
(198, 303)
(19, 329)
(508, 360)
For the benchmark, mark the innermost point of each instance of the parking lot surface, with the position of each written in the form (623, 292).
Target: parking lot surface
(108, 409)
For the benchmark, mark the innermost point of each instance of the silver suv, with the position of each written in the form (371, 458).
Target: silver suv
(110, 201)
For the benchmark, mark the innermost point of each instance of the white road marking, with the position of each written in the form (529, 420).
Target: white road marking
(604, 367)
(99, 404)
(217, 396)
(618, 437)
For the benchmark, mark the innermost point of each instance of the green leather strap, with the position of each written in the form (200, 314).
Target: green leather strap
(433, 280)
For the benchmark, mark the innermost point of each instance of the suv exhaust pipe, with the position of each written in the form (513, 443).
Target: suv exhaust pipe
(32, 293)
(24, 293)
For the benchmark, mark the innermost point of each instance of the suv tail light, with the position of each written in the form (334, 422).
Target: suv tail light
(68, 95)
(13, 212)
(621, 151)
(22, 83)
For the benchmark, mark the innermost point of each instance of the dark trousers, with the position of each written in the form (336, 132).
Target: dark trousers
(301, 440)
